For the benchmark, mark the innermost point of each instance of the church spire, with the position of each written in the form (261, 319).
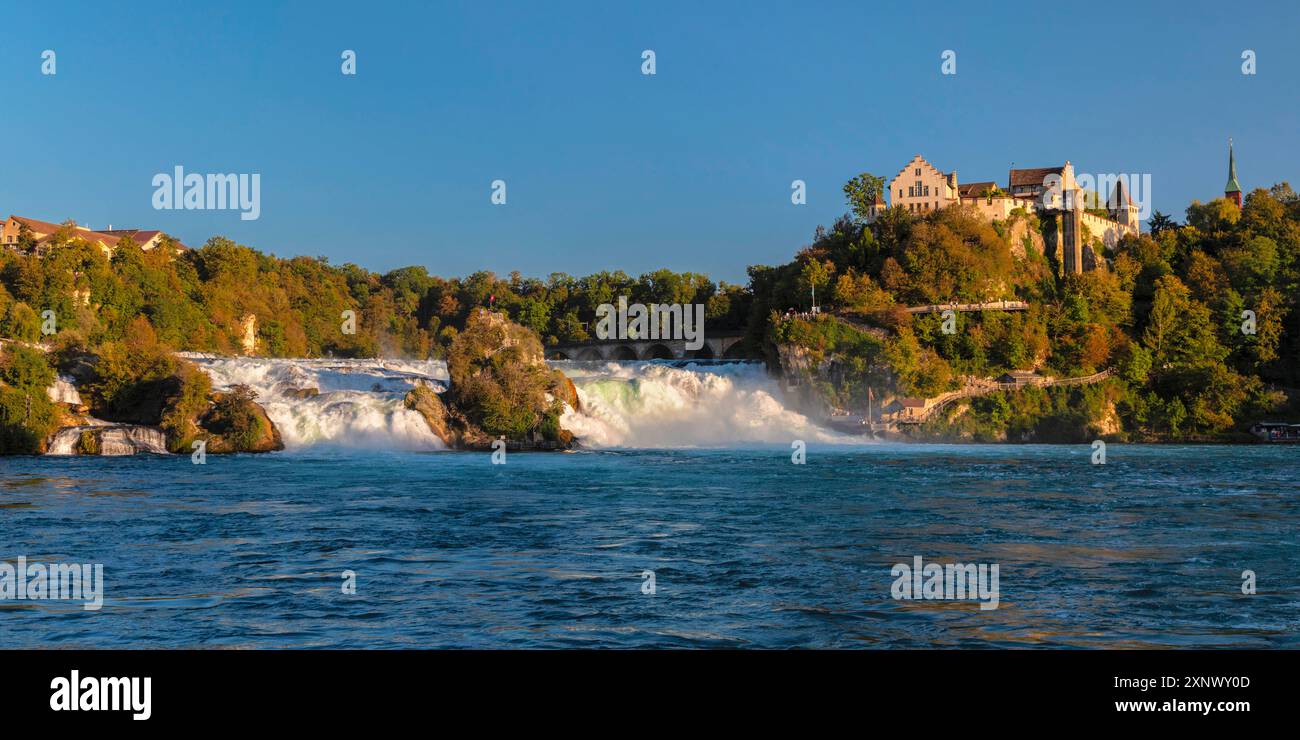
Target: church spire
(1232, 191)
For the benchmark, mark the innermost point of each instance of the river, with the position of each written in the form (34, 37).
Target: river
(685, 483)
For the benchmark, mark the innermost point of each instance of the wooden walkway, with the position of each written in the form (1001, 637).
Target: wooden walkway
(967, 307)
(984, 386)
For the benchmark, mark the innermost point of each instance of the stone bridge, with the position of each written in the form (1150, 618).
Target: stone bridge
(716, 346)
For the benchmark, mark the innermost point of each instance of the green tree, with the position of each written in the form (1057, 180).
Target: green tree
(862, 192)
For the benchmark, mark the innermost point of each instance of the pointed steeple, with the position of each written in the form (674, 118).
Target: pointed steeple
(1232, 191)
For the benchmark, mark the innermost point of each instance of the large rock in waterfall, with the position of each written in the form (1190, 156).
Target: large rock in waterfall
(236, 423)
(501, 388)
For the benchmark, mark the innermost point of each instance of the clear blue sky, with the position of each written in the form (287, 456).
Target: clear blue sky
(606, 168)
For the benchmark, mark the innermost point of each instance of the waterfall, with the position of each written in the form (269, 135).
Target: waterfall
(351, 403)
(657, 404)
(359, 403)
(65, 441)
(64, 391)
(125, 439)
(112, 439)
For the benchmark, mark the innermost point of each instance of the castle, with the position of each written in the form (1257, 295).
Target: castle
(1053, 193)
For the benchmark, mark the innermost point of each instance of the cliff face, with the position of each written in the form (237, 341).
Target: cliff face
(248, 334)
(1024, 236)
(801, 376)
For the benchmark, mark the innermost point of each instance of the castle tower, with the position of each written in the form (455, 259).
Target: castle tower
(1072, 241)
(1232, 191)
(1122, 208)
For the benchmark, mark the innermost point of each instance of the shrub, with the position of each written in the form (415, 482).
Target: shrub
(235, 418)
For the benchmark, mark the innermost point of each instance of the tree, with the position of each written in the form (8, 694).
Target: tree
(21, 323)
(26, 369)
(26, 412)
(1160, 222)
(862, 192)
(813, 276)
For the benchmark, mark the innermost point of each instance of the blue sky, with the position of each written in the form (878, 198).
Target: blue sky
(607, 168)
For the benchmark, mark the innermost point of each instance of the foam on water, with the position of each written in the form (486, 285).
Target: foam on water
(358, 402)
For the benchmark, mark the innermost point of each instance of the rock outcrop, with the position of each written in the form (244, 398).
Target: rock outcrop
(423, 400)
(248, 334)
(501, 389)
(458, 433)
(238, 424)
(568, 393)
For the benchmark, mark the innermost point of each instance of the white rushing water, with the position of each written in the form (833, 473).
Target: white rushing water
(114, 439)
(624, 404)
(64, 391)
(659, 404)
(352, 403)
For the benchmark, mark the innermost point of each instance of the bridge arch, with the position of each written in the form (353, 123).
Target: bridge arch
(657, 352)
(623, 352)
(589, 354)
(557, 355)
(734, 350)
(703, 353)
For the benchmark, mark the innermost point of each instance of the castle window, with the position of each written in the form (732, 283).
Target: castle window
(927, 190)
(918, 171)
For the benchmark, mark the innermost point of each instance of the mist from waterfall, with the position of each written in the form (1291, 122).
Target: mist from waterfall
(674, 404)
